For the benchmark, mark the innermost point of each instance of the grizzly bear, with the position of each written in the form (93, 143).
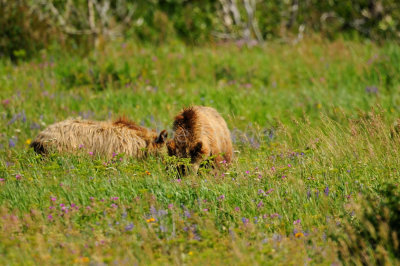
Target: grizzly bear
(104, 138)
(200, 132)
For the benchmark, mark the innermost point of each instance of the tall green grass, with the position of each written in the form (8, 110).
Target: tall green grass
(314, 130)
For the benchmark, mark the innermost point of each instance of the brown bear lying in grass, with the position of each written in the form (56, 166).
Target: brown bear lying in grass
(199, 133)
(100, 137)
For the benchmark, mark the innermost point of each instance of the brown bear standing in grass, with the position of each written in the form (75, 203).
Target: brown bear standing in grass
(201, 132)
(100, 137)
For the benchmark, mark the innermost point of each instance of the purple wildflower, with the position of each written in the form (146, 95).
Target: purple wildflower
(5, 102)
(129, 227)
(269, 191)
(23, 116)
(298, 221)
(114, 205)
(247, 85)
(222, 197)
(326, 191)
(50, 217)
(34, 126)
(11, 143)
(371, 89)
(18, 177)
(15, 117)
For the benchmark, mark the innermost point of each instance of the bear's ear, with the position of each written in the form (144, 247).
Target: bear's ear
(179, 117)
(162, 137)
(196, 149)
(178, 121)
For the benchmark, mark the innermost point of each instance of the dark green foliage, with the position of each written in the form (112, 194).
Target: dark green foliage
(21, 31)
(374, 236)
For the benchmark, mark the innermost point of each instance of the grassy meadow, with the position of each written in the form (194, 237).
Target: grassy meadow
(314, 126)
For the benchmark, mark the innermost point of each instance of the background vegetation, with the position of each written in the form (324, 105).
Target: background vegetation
(30, 25)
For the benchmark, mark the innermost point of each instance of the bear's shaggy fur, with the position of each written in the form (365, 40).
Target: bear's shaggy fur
(100, 137)
(201, 132)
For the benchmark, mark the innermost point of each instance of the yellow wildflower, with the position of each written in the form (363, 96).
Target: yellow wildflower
(190, 253)
(299, 235)
(82, 260)
(148, 173)
(151, 220)
(28, 141)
